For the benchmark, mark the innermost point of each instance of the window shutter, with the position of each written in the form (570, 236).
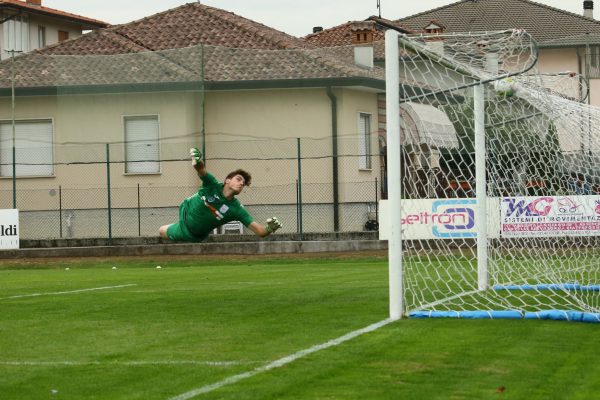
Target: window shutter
(62, 36)
(33, 148)
(16, 35)
(141, 144)
(364, 141)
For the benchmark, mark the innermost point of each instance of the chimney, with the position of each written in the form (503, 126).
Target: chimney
(362, 39)
(588, 9)
(34, 2)
(435, 41)
(317, 29)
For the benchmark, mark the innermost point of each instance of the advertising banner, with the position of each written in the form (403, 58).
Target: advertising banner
(9, 229)
(438, 219)
(550, 216)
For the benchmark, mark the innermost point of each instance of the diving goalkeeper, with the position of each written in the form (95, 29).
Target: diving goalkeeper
(214, 205)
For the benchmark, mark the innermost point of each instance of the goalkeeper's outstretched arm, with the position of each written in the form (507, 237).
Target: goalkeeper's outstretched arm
(265, 230)
(197, 162)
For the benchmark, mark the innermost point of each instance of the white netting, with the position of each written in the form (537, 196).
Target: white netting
(542, 180)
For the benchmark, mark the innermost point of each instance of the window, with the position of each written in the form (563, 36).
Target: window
(41, 36)
(15, 33)
(426, 159)
(62, 36)
(364, 141)
(33, 148)
(141, 145)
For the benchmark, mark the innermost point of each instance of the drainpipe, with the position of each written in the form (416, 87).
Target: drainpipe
(334, 151)
(587, 60)
(579, 68)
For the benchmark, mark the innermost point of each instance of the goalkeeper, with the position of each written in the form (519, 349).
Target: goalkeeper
(214, 205)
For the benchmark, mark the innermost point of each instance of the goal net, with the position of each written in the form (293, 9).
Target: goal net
(493, 181)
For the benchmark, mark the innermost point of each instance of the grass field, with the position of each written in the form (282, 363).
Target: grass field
(252, 328)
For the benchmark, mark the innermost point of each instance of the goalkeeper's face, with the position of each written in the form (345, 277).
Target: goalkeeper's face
(236, 184)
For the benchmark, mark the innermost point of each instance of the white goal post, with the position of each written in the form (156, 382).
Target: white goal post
(392, 111)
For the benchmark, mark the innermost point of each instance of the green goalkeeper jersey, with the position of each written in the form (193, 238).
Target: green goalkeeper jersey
(209, 209)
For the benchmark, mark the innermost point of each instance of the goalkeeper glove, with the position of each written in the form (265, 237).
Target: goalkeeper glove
(196, 156)
(273, 224)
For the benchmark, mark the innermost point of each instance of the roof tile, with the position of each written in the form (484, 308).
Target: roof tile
(341, 35)
(188, 25)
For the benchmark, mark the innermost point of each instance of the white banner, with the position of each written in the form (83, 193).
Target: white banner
(9, 229)
(547, 216)
(439, 218)
(524, 216)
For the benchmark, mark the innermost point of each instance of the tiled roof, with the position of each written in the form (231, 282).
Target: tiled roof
(88, 23)
(338, 36)
(543, 22)
(191, 43)
(341, 35)
(195, 64)
(188, 25)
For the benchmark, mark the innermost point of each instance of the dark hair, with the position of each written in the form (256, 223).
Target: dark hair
(246, 175)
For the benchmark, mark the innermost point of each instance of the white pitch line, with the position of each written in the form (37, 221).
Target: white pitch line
(126, 363)
(68, 292)
(280, 362)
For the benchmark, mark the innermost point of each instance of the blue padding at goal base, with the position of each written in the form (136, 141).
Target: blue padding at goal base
(556, 315)
(563, 315)
(483, 314)
(550, 286)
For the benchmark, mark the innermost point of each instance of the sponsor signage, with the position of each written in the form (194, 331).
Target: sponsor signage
(455, 218)
(548, 216)
(9, 229)
(437, 218)
(509, 217)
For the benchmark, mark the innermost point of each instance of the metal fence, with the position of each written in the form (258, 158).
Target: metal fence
(298, 189)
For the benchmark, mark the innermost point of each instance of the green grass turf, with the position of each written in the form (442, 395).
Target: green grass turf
(200, 320)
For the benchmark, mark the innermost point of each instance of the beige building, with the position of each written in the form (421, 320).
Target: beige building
(125, 103)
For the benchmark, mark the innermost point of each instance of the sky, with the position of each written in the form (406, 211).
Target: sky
(296, 17)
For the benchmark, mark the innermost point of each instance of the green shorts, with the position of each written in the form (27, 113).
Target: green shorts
(179, 232)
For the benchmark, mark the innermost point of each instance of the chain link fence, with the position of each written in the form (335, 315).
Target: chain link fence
(291, 179)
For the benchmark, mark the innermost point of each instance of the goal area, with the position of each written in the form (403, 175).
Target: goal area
(493, 181)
